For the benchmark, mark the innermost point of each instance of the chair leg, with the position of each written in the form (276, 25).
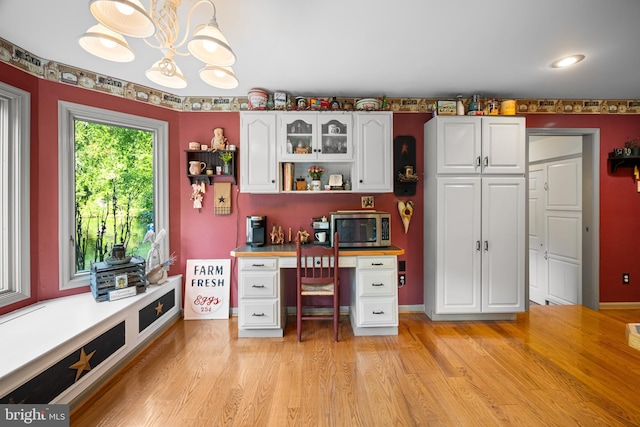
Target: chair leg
(299, 315)
(336, 315)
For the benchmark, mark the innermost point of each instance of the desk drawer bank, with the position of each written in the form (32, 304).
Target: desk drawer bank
(262, 309)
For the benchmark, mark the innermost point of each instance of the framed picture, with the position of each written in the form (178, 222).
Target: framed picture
(446, 108)
(367, 202)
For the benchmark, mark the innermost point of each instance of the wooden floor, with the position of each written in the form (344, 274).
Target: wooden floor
(553, 366)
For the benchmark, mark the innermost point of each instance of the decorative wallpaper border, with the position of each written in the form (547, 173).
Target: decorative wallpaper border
(51, 70)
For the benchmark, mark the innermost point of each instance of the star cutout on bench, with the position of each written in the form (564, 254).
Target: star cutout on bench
(221, 199)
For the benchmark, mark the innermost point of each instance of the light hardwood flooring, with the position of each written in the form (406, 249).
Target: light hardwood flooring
(553, 366)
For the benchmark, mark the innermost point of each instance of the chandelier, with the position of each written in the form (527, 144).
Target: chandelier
(118, 18)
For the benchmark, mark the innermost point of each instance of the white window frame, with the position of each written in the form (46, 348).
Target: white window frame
(68, 113)
(15, 248)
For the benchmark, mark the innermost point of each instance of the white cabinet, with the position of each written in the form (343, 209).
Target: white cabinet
(315, 136)
(475, 235)
(373, 152)
(261, 310)
(487, 145)
(481, 243)
(374, 296)
(258, 162)
(356, 145)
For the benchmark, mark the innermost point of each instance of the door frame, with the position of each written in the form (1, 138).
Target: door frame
(590, 210)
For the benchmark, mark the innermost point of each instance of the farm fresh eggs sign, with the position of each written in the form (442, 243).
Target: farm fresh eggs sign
(207, 289)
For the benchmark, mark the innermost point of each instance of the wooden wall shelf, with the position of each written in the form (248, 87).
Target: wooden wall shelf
(212, 159)
(616, 162)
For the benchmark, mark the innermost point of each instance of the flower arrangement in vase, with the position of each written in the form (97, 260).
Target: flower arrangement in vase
(316, 173)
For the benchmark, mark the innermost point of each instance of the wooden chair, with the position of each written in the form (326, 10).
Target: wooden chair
(317, 275)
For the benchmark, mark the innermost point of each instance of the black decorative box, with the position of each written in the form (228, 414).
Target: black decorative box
(106, 277)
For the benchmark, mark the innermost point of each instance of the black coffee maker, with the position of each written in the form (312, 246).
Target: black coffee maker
(256, 230)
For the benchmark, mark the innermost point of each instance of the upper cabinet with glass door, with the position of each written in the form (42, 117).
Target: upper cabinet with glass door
(315, 136)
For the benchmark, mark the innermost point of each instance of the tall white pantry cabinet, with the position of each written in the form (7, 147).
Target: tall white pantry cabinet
(475, 230)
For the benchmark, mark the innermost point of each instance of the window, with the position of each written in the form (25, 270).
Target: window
(15, 278)
(74, 123)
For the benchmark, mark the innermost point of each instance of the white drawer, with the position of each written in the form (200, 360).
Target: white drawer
(344, 262)
(257, 263)
(377, 262)
(258, 284)
(377, 312)
(256, 314)
(374, 283)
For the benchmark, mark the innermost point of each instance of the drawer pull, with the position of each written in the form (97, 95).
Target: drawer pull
(257, 265)
(258, 286)
(258, 314)
(377, 284)
(377, 312)
(377, 263)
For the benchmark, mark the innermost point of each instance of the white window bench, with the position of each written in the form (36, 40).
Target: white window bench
(60, 350)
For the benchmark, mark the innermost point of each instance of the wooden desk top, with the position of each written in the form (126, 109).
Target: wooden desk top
(289, 250)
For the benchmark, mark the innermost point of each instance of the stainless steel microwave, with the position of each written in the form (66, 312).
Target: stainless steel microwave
(361, 228)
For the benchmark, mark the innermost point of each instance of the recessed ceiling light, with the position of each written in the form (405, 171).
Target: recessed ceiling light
(567, 61)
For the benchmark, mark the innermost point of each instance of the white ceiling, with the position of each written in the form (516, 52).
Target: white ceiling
(361, 48)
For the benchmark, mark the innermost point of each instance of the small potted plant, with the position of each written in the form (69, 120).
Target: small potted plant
(226, 157)
(633, 146)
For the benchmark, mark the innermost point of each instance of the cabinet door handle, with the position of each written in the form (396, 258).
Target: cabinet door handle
(258, 286)
(478, 161)
(273, 181)
(486, 245)
(486, 161)
(377, 284)
(257, 265)
(377, 312)
(376, 263)
(546, 255)
(258, 314)
(477, 245)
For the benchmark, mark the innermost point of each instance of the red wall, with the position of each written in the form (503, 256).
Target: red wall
(202, 234)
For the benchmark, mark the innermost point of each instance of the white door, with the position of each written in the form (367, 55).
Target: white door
(502, 149)
(459, 147)
(537, 235)
(503, 244)
(258, 159)
(564, 228)
(374, 151)
(458, 256)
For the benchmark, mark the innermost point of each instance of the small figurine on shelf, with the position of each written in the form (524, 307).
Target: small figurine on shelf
(277, 235)
(196, 196)
(219, 142)
(303, 236)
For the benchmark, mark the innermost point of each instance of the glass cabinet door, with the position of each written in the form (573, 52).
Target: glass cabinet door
(298, 143)
(335, 137)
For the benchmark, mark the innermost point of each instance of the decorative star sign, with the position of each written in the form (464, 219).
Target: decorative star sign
(82, 364)
(159, 308)
(221, 199)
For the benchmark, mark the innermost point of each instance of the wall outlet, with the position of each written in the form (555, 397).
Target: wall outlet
(401, 280)
(626, 279)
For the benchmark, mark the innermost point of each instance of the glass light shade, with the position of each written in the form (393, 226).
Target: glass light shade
(220, 77)
(210, 46)
(127, 17)
(567, 61)
(106, 44)
(166, 73)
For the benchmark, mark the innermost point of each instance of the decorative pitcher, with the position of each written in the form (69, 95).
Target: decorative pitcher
(196, 167)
